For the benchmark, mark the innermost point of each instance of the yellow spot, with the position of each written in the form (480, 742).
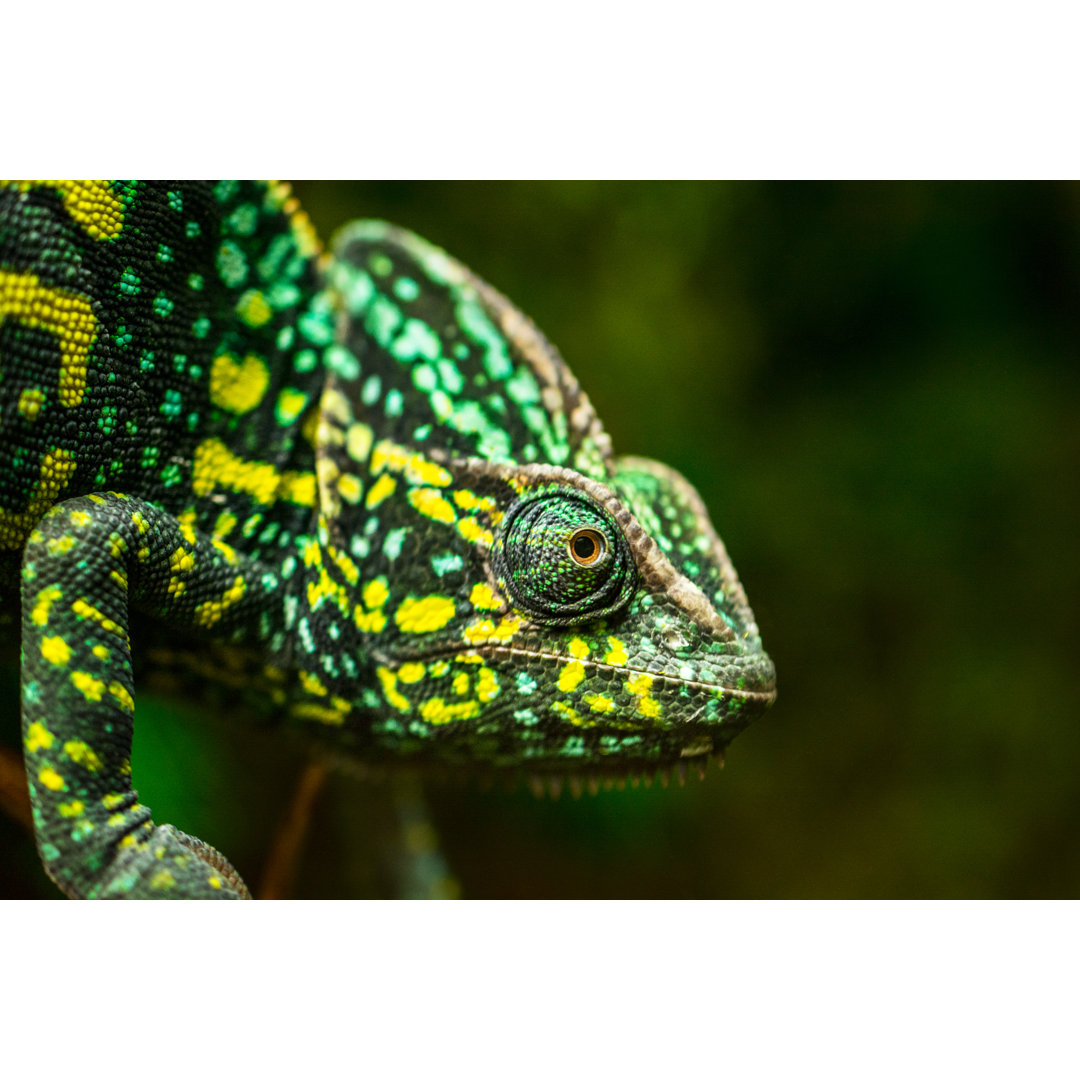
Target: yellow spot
(100, 652)
(486, 630)
(600, 703)
(116, 820)
(82, 755)
(71, 809)
(369, 622)
(30, 402)
(66, 315)
(375, 593)
(418, 470)
(214, 882)
(45, 600)
(91, 204)
(312, 684)
(487, 684)
(473, 532)
(460, 683)
(80, 519)
(163, 879)
(52, 779)
(253, 309)
(350, 488)
(483, 598)
(578, 649)
(358, 441)
(111, 802)
(55, 650)
(215, 466)
(640, 686)
(410, 673)
(468, 658)
(334, 715)
(438, 669)
(431, 504)
(436, 711)
(228, 552)
(84, 611)
(226, 522)
(38, 737)
(568, 712)
(120, 692)
(290, 404)
(91, 688)
(424, 615)
(57, 467)
(571, 675)
(298, 487)
(210, 612)
(390, 690)
(61, 545)
(381, 489)
(468, 501)
(616, 653)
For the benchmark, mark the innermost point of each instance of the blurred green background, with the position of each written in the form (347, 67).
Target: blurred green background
(875, 389)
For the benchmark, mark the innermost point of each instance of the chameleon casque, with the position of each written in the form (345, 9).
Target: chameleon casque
(359, 485)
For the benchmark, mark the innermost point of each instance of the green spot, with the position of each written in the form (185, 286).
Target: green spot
(195, 281)
(306, 360)
(191, 230)
(424, 378)
(446, 563)
(231, 264)
(406, 289)
(394, 403)
(380, 265)
(370, 391)
(243, 219)
(163, 306)
(201, 327)
(172, 406)
(342, 362)
(176, 201)
(393, 542)
(129, 282)
(164, 253)
(416, 339)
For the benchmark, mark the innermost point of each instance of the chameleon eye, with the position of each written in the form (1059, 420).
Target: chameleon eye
(586, 546)
(561, 558)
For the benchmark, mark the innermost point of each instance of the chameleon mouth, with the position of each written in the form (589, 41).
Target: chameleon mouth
(758, 671)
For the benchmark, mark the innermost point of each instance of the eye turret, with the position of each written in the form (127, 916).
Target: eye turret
(561, 558)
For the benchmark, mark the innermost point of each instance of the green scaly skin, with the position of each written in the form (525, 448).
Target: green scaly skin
(361, 487)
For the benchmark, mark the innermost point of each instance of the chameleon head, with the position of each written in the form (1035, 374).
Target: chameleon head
(578, 626)
(526, 600)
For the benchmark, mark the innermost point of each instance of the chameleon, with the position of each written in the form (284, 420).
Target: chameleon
(356, 486)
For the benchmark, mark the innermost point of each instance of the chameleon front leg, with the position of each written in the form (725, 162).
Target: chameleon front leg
(87, 562)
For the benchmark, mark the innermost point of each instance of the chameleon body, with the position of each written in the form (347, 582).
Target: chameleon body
(361, 487)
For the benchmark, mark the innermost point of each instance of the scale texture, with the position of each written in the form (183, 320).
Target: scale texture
(358, 488)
